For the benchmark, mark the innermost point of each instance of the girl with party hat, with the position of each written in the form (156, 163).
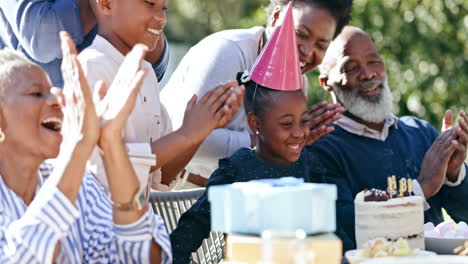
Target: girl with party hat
(277, 115)
(220, 56)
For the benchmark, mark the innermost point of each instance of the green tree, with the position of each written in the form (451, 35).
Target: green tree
(191, 20)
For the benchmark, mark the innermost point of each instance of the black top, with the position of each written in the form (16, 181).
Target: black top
(244, 165)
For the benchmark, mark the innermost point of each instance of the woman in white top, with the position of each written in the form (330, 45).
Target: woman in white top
(219, 57)
(62, 214)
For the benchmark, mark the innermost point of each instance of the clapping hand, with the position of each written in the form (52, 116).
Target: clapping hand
(231, 106)
(321, 116)
(214, 110)
(435, 163)
(460, 143)
(80, 127)
(80, 122)
(117, 103)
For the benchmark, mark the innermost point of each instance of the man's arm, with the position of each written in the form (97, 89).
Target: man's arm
(88, 18)
(435, 163)
(326, 168)
(345, 227)
(456, 162)
(37, 23)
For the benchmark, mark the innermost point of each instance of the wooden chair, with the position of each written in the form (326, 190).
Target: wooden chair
(171, 205)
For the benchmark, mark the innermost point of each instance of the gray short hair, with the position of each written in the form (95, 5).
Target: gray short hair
(11, 60)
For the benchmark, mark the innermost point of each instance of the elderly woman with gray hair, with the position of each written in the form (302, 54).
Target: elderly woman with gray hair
(61, 214)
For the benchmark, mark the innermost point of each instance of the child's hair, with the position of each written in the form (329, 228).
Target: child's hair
(340, 9)
(256, 97)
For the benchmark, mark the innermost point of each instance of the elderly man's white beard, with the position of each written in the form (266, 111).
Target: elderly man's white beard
(363, 108)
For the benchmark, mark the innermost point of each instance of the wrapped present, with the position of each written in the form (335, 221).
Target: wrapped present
(319, 249)
(284, 204)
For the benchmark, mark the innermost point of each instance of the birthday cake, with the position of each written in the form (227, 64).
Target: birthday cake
(390, 214)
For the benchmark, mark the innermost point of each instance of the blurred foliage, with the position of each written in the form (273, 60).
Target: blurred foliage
(189, 21)
(424, 44)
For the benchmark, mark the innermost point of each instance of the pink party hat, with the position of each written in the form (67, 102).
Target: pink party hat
(278, 65)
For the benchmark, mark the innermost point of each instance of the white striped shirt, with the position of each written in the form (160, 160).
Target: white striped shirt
(86, 231)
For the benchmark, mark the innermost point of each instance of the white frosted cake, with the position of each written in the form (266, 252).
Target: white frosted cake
(378, 216)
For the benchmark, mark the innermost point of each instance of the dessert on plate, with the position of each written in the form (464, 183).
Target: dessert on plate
(382, 248)
(462, 250)
(420, 260)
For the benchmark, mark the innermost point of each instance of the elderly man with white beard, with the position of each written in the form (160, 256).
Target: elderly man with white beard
(370, 144)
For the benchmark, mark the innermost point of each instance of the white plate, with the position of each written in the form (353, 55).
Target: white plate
(419, 260)
(443, 245)
(354, 258)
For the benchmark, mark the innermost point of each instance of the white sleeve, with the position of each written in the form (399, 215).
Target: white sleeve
(418, 191)
(461, 177)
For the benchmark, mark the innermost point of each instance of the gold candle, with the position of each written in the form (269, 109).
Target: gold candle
(403, 187)
(410, 186)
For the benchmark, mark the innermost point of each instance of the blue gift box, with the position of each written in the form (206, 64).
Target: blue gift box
(284, 204)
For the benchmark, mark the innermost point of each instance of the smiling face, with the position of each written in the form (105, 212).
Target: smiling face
(30, 115)
(362, 67)
(283, 127)
(359, 79)
(315, 28)
(135, 21)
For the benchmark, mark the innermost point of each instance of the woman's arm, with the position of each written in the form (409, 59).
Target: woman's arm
(124, 185)
(202, 69)
(34, 236)
(80, 127)
(215, 109)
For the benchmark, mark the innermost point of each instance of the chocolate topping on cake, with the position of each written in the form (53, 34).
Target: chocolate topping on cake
(375, 195)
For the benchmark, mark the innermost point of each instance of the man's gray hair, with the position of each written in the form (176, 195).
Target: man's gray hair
(11, 60)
